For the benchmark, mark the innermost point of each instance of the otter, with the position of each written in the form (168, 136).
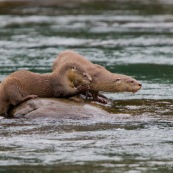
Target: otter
(69, 80)
(102, 79)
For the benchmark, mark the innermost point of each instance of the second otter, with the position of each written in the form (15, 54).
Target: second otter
(102, 79)
(70, 80)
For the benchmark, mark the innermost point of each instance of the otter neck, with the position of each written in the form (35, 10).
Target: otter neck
(66, 71)
(61, 82)
(104, 82)
(71, 75)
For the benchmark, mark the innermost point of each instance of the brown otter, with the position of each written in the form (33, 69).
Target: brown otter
(102, 79)
(69, 80)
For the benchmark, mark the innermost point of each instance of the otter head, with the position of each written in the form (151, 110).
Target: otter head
(79, 76)
(123, 83)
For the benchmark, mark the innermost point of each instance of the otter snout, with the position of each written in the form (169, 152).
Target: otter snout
(138, 87)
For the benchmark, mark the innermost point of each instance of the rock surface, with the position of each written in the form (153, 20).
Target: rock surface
(57, 108)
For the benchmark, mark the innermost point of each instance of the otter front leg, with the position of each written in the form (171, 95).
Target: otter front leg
(17, 98)
(22, 99)
(98, 97)
(76, 91)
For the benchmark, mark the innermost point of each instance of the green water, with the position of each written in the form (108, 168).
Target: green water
(132, 37)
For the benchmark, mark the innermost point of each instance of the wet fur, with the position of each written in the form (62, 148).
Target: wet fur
(67, 81)
(102, 79)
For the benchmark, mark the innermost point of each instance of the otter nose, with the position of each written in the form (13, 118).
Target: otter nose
(140, 84)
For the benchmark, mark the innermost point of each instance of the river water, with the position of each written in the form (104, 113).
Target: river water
(132, 37)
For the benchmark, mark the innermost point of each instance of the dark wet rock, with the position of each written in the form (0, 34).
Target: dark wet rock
(57, 108)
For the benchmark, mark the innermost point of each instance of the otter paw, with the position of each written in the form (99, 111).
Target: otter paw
(32, 96)
(83, 88)
(101, 100)
(88, 94)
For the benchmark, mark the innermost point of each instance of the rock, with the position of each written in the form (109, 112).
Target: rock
(56, 108)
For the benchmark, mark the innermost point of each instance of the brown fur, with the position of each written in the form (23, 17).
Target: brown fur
(69, 80)
(102, 79)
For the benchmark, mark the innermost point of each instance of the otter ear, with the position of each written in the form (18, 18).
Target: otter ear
(117, 80)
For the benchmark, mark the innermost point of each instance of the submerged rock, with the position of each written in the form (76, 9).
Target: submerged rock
(57, 108)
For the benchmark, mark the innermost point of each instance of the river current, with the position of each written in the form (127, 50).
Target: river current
(132, 37)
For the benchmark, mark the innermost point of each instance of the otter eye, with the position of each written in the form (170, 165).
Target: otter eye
(117, 80)
(131, 81)
(73, 67)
